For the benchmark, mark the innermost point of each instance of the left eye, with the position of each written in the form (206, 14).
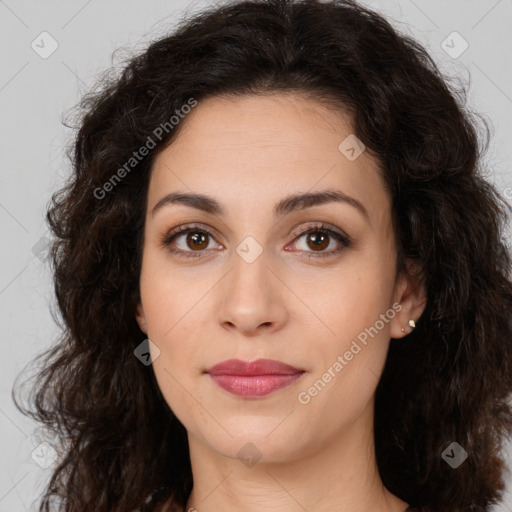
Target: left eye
(318, 238)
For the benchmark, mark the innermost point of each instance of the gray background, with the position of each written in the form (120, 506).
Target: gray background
(35, 92)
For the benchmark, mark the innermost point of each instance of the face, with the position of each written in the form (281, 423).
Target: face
(309, 284)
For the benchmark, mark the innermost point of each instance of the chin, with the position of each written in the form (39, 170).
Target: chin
(258, 438)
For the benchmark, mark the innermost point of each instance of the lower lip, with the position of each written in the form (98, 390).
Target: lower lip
(254, 385)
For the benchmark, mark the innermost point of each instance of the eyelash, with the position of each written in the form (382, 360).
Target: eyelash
(344, 240)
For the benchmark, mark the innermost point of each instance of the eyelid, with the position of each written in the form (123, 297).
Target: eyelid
(341, 237)
(320, 225)
(192, 225)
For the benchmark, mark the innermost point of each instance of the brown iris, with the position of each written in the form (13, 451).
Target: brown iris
(318, 240)
(199, 240)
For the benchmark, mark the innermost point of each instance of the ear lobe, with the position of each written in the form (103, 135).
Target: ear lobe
(412, 296)
(141, 318)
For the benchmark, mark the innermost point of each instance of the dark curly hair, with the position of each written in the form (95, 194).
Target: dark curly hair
(449, 380)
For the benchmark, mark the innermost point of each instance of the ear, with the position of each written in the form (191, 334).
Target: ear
(410, 293)
(140, 316)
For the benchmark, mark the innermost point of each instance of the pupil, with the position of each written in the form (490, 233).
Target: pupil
(198, 239)
(318, 240)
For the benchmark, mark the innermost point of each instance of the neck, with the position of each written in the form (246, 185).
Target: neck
(340, 475)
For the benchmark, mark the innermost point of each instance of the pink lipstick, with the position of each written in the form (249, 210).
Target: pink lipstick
(253, 379)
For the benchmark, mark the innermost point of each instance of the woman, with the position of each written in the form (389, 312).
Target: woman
(281, 276)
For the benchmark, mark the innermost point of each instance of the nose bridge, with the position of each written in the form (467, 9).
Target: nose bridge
(249, 278)
(250, 296)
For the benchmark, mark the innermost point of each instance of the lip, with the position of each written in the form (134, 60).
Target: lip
(253, 378)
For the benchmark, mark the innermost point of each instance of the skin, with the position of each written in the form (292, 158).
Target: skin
(249, 153)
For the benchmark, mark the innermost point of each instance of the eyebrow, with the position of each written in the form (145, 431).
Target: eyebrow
(287, 205)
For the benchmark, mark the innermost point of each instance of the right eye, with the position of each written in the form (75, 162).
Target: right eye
(192, 245)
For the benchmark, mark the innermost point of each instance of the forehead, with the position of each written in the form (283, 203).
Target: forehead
(256, 149)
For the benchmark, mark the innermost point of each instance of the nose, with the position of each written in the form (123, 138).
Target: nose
(251, 298)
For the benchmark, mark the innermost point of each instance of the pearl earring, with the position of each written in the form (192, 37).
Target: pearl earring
(412, 324)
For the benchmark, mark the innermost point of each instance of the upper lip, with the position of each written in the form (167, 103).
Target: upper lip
(258, 367)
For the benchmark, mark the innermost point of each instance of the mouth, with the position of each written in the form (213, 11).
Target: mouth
(253, 379)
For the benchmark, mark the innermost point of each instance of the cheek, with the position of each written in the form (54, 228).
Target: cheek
(352, 298)
(168, 297)
(356, 309)
(165, 308)
(168, 313)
